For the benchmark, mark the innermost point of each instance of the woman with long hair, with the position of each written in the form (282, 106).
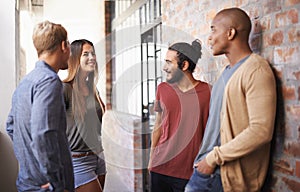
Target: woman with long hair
(84, 109)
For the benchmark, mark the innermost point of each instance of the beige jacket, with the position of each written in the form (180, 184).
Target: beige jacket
(247, 123)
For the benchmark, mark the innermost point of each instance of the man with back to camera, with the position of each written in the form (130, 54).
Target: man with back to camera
(234, 155)
(182, 109)
(37, 120)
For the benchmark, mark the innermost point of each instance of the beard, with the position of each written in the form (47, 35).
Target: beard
(176, 76)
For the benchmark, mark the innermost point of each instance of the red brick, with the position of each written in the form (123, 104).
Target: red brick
(292, 73)
(286, 18)
(265, 40)
(271, 6)
(293, 148)
(289, 93)
(293, 16)
(291, 184)
(293, 112)
(291, 2)
(283, 166)
(265, 23)
(297, 75)
(289, 131)
(240, 3)
(286, 55)
(297, 169)
(294, 34)
(275, 38)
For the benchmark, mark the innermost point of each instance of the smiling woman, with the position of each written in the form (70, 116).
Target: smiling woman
(88, 58)
(84, 109)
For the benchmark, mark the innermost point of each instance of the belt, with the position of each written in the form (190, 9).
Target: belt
(83, 154)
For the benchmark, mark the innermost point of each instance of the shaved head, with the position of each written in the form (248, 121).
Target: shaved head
(237, 19)
(230, 31)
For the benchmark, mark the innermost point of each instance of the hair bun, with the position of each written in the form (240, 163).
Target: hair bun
(192, 51)
(196, 44)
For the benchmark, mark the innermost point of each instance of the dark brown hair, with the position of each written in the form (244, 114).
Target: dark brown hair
(78, 100)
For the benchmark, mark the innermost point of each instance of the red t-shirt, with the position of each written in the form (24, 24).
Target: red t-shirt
(184, 116)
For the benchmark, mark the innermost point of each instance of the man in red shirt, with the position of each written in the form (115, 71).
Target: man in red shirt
(182, 105)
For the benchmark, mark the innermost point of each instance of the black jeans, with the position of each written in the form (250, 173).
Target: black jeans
(164, 183)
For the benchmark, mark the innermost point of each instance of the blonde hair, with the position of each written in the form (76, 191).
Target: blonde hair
(47, 36)
(78, 101)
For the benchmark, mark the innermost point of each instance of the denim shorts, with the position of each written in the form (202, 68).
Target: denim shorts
(200, 182)
(88, 168)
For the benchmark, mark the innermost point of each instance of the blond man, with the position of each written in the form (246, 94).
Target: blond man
(37, 120)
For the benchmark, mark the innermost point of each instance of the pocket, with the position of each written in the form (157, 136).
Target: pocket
(203, 175)
(199, 182)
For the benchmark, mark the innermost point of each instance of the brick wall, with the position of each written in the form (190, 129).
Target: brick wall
(275, 36)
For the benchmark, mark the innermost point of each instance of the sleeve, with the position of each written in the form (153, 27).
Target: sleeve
(10, 123)
(261, 105)
(157, 105)
(10, 119)
(46, 107)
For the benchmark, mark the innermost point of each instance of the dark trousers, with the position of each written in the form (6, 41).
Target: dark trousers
(164, 183)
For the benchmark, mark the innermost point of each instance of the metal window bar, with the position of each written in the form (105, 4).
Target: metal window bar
(148, 38)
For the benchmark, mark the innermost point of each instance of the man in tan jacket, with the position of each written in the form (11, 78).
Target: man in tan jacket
(234, 155)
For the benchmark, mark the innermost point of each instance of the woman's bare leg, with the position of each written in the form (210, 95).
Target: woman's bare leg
(101, 179)
(93, 186)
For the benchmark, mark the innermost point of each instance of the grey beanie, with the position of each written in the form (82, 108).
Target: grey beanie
(193, 52)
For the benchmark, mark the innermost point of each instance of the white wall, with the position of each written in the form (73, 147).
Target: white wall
(82, 19)
(8, 163)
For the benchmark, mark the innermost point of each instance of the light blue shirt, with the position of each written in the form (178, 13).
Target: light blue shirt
(211, 136)
(37, 126)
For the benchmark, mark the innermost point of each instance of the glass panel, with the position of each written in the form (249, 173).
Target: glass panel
(125, 91)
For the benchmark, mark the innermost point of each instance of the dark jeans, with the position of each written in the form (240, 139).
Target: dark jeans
(204, 183)
(164, 183)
